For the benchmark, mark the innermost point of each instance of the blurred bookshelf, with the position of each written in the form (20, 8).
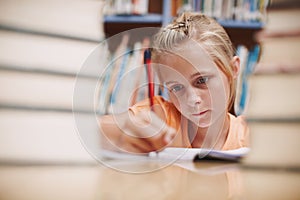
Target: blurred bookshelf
(158, 13)
(241, 19)
(157, 18)
(150, 18)
(44, 45)
(241, 24)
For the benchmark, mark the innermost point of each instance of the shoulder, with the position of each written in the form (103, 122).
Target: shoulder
(238, 135)
(238, 122)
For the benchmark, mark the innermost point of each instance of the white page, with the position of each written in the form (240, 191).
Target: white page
(174, 153)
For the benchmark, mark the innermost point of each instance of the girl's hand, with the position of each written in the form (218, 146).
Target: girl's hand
(137, 133)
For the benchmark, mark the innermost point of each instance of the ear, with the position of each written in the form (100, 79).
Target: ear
(235, 64)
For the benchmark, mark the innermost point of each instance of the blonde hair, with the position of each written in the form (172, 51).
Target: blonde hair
(205, 30)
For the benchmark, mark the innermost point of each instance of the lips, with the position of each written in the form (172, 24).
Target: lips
(200, 113)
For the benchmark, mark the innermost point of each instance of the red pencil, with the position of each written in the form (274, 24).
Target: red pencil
(147, 62)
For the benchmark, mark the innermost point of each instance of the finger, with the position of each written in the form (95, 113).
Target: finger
(165, 139)
(136, 131)
(161, 139)
(131, 149)
(132, 139)
(153, 132)
(168, 132)
(169, 136)
(142, 144)
(161, 129)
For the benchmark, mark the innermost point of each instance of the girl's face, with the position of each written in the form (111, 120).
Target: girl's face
(197, 87)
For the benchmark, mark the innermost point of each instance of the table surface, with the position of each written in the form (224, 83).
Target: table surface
(147, 180)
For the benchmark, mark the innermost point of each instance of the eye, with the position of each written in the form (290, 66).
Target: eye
(202, 80)
(176, 88)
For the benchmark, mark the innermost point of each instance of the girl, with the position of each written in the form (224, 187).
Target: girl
(194, 60)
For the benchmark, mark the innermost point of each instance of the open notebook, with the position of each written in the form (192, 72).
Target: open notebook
(173, 153)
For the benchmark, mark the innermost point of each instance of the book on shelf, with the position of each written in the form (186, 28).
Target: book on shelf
(273, 117)
(74, 19)
(175, 6)
(280, 54)
(42, 137)
(280, 39)
(123, 83)
(127, 80)
(273, 112)
(40, 53)
(274, 96)
(140, 7)
(224, 10)
(241, 84)
(44, 46)
(119, 62)
(127, 7)
(248, 59)
(42, 91)
(274, 144)
(281, 21)
(240, 10)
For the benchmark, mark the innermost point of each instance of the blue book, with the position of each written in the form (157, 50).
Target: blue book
(251, 63)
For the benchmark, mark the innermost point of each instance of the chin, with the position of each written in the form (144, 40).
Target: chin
(207, 121)
(202, 121)
(204, 124)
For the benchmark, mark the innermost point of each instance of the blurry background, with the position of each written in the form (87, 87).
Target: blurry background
(43, 44)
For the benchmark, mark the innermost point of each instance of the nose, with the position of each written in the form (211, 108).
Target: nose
(193, 97)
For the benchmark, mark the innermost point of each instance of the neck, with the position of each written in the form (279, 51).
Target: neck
(213, 136)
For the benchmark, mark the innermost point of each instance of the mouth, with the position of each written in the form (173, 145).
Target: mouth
(200, 113)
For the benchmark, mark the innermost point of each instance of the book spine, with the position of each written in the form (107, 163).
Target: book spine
(249, 60)
(118, 82)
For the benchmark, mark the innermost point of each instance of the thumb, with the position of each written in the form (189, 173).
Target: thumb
(170, 135)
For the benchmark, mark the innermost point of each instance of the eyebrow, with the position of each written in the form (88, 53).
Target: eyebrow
(196, 74)
(200, 74)
(170, 82)
(192, 76)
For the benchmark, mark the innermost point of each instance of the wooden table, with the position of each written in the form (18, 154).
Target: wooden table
(184, 180)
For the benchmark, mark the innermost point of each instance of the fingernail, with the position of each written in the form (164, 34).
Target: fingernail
(170, 135)
(168, 138)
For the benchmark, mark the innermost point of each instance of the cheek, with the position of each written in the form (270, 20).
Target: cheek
(206, 97)
(220, 93)
(176, 101)
(179, 103)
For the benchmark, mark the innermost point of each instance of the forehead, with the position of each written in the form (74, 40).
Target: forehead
(186, 62)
